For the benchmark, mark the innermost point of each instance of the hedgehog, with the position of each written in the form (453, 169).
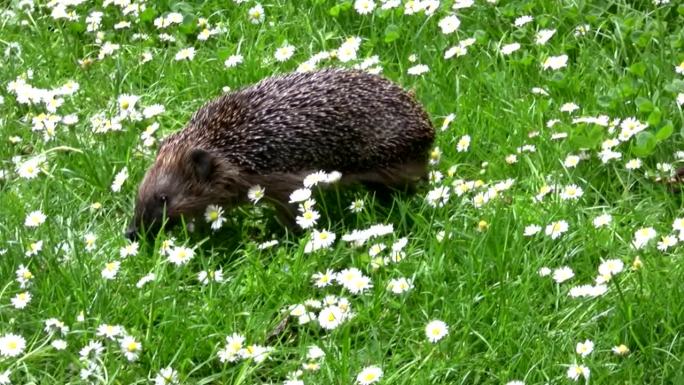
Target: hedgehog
(278, 131)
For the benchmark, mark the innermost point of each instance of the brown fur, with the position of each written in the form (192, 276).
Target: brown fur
(275, 133)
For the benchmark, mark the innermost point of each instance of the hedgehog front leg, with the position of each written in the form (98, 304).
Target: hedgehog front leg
(403, 177)
(278, 188)
(286, 215)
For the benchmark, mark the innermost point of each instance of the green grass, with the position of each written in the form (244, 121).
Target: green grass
(506, 322)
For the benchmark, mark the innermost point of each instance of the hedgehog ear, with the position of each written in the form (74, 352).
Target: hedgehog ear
(202, 163)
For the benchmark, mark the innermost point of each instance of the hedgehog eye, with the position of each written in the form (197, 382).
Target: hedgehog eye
(163, 198)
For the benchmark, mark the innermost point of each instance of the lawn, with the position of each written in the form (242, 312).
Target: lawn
(544, 249)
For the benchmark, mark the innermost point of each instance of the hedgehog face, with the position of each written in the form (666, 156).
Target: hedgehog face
(178, 185)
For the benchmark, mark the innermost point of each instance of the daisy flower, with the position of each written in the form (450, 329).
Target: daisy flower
(643, 236)
(562, 274)
(35, 219)
(611, 267)
(571, 161)
(633, 164)
(436, 330)
(400, 285)
(678, 225)
(522, 20)
(214, 215)
(679, 68)
(509, 48)
(418, 69)
(185, 54)
(267, 244)
(544, 35)
(109, 331)
(257, 353)
(230, 352)
(348, 50)
(24, 276)
(153, 110)
(110, 270)
(364, 7)
(180, 255)
(511, 159)
(319, 240)
(58, 345)
(575, 371)
(602, 220)
(357, 206)
(324, 279)
(666, 242)
(284, 53)
(119, 179)
(30, 168)
(129, 250)
(20, 300)
(555, 62)
(89, 240)
(438, 197)
(130, 348)
(463, 143)
(460, 4)
(144, 280)
(126, 104)
(571, 192)
(308, 219)
(92, 350)
(300, 195)
(12, 345)
(584, 348)
(213, 275)
(620, 350)
(369, 375)
(256, 14)
(569, 107)
(256, 193)
(166, 376)
(531, 230)
(449, 24)
(581, 30)
(233, 61)
(556, 229)
(359, 284)
(34, 248)
(330, 317)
